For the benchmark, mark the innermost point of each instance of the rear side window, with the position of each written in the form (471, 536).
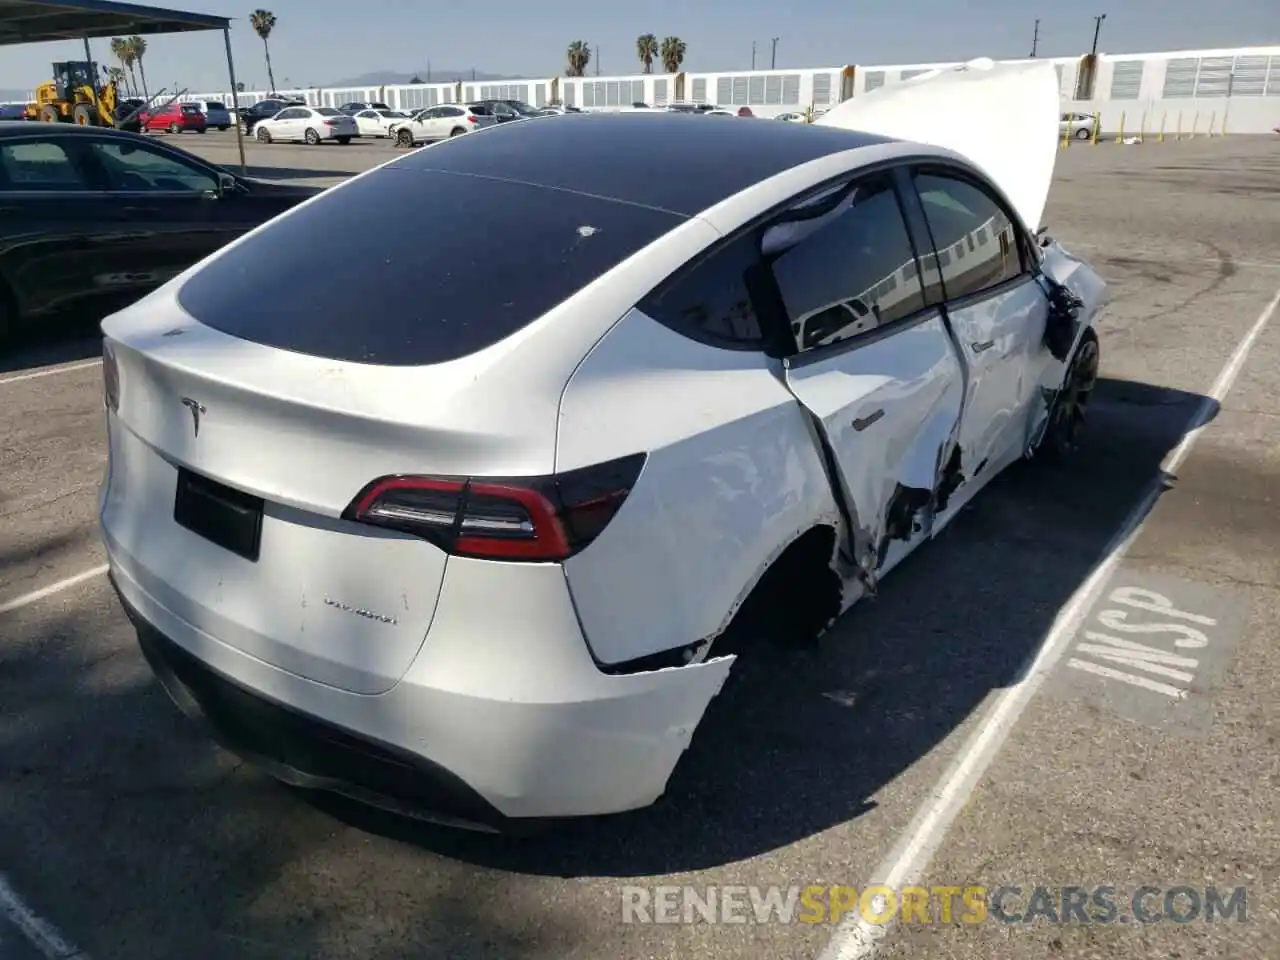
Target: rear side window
(215, 105)
(328, 112)
(710, 301)
(400, 268)
(976, 242)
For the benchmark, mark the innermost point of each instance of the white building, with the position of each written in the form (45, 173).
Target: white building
(1191, 90)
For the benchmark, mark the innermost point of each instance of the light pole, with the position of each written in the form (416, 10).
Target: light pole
(1097, 28)
(773, 54)
(1035, 39)
(753, 54)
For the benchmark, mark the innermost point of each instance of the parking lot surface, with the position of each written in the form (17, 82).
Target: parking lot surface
(122, 825)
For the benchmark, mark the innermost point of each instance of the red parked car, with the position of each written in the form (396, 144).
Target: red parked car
(176, 118)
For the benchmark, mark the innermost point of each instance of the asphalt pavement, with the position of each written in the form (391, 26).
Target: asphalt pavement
(129, 833)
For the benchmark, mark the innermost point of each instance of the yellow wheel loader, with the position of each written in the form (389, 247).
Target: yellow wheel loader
(75, 96)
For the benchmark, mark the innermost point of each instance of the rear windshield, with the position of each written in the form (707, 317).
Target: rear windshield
(190, 109)
(215, 105)
(329, 112)
(404, 267)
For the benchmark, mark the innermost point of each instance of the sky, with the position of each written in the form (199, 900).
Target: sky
(318, 42)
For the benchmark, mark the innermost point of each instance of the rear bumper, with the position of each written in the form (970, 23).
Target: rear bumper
(497, 725)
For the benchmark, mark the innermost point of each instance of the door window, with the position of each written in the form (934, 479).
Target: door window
(130, 167)
(856, 274)
(976, 241)
(40, 165)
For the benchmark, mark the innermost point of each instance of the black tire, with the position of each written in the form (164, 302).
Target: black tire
(175, 127)
(1067, 417)
(8, 318)
(343, 141)
(50, 114)
(457, 131)
(311, 138)
(404, 138)
(222, 129)
(263, 135)
(83, 116)
(203, 130)
(1084, 133)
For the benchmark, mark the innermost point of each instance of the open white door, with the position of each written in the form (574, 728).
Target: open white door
(1002, 117)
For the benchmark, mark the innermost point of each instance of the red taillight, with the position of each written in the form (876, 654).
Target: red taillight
(331, 123)
(542, 518)
(471, 118)
(110, 378)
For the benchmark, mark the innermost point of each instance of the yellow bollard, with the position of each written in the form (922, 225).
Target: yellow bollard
(1195, 122)
(1120, 135)
(1097, 124)
(1179, 135)
(1212, 117)
(1142, 127)
(1163, 117)
(1223, 131)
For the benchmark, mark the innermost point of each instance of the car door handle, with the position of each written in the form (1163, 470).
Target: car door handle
(863, 422)
(983, 347)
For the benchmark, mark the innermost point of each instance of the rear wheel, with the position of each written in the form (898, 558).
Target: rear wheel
(83, 115)
(311, 137)
(264, 135)
(49, 114)
(201, 129)
(1066, 419)
(222, 129)
(1084, 133)
(343, 141)
(175, 127)
(404, 138)
(457, 131)
(8, 318)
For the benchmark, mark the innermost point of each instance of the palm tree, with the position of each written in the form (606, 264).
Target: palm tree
(647, 50)
(673, 51)
(122, 50)
(579, 55)
(263, 22)
(139, 47)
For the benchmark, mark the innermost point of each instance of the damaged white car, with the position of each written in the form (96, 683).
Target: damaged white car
(485, 555)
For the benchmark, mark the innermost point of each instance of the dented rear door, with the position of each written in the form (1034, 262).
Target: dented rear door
(876, 369)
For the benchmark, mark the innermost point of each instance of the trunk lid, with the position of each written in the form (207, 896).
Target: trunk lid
(337, 602)
(1001, 116)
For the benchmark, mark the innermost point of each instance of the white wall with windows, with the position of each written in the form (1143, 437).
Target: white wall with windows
(1181, 88)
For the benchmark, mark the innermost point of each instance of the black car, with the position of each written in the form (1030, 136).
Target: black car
(355, 106)
(507, 110)
(264, 110)
(93, 218)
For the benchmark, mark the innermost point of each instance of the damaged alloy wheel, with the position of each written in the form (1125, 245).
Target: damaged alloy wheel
(1066, 419)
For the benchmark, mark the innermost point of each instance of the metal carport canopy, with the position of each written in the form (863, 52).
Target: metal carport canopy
(47, 21)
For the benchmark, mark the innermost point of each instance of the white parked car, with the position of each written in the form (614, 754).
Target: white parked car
(489, 556)
(792, 117)
(377, 123)
(1077, 125)
(439, 123)
(312, 125)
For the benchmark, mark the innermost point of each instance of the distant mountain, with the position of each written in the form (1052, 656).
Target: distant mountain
(438, 75)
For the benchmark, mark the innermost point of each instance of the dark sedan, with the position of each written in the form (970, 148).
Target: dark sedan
(94, 218)
(264, 110)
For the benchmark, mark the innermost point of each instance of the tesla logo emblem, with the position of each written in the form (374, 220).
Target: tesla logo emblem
(196, 409)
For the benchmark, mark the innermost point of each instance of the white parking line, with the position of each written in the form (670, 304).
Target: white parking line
(38, 932)
(50, 371)
(37, 595)
(857, 939)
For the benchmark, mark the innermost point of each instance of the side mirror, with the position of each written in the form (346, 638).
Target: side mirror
(228, 185)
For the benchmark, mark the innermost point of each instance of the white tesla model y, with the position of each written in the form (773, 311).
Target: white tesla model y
(485, 552)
